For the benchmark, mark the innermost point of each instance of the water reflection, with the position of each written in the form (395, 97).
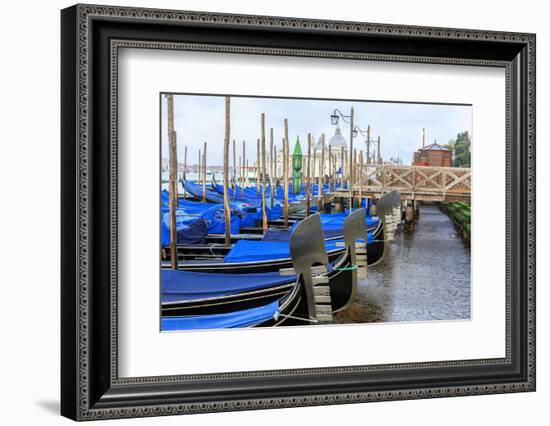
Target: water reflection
(425, 276)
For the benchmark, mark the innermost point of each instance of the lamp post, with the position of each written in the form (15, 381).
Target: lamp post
(335, 116)
(368, 141)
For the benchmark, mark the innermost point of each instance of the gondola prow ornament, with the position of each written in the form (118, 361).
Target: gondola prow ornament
(310, 261)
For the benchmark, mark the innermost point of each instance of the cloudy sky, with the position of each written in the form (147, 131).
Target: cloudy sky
(200, 119)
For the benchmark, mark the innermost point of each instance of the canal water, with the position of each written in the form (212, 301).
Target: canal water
(425, 276)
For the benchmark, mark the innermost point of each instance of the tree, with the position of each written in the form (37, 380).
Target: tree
(461, 150)
(450, 145)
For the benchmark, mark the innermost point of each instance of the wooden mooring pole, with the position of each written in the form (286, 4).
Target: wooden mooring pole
(321, 173)
(234, 171)
(184, 173)
(275, 177)
(286, 170)
(244, 181)
(308, 163)
(350, 168)
(226, 210)
(275, 172)
(334, 169)
(258, 168)
(410, 216)
(313, 166)
(360, 179)
(199, 178)
(204, 173)
(271, 171)
(353, 167)
(330, 171)
(368, 144)
(172, 188)
(264, 208)
(285, 178)
(342, 158)
(240, 179)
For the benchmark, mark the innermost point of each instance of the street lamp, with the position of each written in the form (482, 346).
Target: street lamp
(357, 130)
(347, 119)
(335, 116)
(368, 141)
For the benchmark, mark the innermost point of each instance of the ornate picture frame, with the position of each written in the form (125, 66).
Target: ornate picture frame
(91, 387)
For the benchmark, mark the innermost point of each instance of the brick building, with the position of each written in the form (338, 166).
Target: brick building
(433, 155)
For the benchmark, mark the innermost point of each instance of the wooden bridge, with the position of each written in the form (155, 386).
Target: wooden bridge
(421, 183)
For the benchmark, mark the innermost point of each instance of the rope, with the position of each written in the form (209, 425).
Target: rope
(296, 318)
(353, 267)
(213, 246)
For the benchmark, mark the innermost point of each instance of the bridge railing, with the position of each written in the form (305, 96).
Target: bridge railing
(414, 181)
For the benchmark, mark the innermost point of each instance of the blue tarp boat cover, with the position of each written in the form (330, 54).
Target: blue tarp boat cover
(185, 286)
(216, 221)
(274, 213)
(197, 207)
(253, 193)
(367, 203)
(252, 198)
(196, 190)
(244, 318)
(277, 235)
(190, 229)
(193, 229)
(189, 211)
(244, 205)
(255, 251)
(284, 235)
(333, 223)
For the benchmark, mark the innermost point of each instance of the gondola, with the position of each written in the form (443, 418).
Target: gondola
(250, 290)
(199, 300)
(253, 256)
(378, 248)
(206, 293)
(213, 197)
(245, 257)
(196, 191)
(197, 207)
(268, 315)
(388, 209)
(254, 192)
(248, 255)
(296, 202)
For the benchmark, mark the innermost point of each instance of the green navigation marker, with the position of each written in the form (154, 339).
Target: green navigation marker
(297, 167)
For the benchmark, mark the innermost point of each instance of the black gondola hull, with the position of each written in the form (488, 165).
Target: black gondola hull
(341, 290)
(243, 267)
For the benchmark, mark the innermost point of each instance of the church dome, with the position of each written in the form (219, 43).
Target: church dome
(319, 145)
(338, 141)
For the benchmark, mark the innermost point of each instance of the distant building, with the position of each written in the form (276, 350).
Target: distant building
(337, 142)
(338, 146)
(433, 155)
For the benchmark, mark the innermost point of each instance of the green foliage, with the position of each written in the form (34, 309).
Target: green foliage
(460, 212)
(461, 150)
(450, 145)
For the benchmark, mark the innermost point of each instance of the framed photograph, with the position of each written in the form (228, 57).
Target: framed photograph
(263, 212)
